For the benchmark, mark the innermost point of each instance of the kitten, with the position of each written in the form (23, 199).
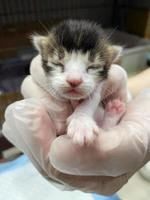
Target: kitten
(76, 59)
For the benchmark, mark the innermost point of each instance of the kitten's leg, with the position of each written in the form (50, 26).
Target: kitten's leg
(81, 124)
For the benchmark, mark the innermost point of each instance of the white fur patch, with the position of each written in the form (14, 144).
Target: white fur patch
(75, 67)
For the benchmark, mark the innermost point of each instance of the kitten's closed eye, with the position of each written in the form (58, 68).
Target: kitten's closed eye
(98, 70)
(53, 66)
(58, 64)
(94, 69)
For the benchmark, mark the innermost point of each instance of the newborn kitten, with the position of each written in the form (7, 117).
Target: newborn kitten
(76, 58)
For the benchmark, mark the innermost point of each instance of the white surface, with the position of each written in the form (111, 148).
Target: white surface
(136, 189)
(25, 183)
(145, 172)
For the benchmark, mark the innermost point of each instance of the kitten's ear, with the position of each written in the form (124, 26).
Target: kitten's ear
(39, 41)
(117, 52)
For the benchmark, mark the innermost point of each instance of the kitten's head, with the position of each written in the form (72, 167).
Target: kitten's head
(76, 56)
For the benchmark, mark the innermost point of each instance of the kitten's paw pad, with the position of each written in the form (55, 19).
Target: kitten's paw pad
(115, 107)
(83, 130)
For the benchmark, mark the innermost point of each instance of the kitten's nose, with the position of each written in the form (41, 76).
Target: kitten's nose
(74, 82)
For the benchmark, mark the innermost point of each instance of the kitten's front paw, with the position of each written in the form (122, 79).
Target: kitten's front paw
(83, 130)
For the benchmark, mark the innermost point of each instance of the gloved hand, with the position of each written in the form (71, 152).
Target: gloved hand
(115, 156)
(32, 125)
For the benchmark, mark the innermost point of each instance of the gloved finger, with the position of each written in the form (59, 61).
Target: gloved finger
(99, 184)
(29, 127)
(9, 127)
(122, 149)
(116, 84)
(11, 132)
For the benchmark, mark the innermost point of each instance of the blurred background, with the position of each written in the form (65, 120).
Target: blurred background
(127, 22)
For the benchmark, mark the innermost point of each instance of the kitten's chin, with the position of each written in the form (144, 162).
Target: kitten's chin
(74, 96)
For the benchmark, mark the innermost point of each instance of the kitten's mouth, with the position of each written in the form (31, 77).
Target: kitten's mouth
(73, 92)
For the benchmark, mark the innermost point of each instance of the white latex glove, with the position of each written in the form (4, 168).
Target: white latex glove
(115, 156)
(32, 125)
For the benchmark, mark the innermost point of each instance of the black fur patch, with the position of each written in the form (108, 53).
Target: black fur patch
(46, 68)
(104, 73)
(78, 35)
(75, 35)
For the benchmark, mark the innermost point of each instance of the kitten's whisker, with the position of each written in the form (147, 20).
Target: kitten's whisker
(51, 89)
(111, 33)
(43, 25)
(53, 92)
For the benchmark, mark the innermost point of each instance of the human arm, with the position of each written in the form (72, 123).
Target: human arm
(139, 82)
